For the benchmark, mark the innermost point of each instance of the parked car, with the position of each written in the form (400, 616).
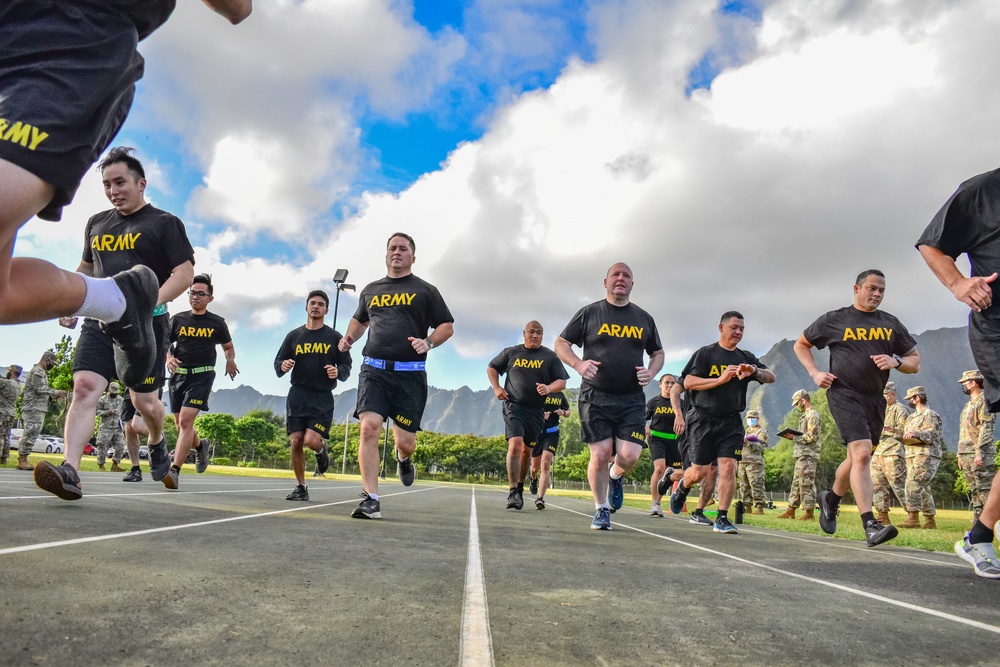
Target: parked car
(190, 457)
(44, 444)
(57, 444)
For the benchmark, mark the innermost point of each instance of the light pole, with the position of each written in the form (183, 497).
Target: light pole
(338, 279)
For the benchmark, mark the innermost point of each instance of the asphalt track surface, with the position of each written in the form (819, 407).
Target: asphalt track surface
(226, 571)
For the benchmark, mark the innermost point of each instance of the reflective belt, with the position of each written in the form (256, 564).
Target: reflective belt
(194, 371)
(661, 434)
(387, 365)
(160, 310)
(553, 429)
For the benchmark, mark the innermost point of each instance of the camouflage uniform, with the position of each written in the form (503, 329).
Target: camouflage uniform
(806, 453)
(9, 390)
(888, 468)
(109, 433)
(750, 471)
(34, 405)
(922, 460)
(975, 438)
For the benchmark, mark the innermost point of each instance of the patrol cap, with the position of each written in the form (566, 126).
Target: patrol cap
(15, 369)
(114, 386)
(915, 391)
(798, 396)
(753, 413)
(971, 375)
(890, 388)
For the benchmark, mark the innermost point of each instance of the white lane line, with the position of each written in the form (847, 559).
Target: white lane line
(163, 492)
(847, 589)
(198, 524)
(476, 648)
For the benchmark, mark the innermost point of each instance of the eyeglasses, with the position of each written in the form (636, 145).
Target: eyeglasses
(200, 295)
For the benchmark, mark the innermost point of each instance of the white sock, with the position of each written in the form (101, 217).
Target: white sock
(600, 505)
(373, 496)
(613, 475)
(104, 301)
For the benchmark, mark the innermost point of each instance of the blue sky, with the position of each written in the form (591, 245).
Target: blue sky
(726, 151)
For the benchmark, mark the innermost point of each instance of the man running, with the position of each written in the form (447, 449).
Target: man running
(132, 233)
(662, 441)
(865, 344)
(313, 355)
(532, 372)
(556, 406)
(194, 335)
(717, 377)
(400, 310)
(614, 333)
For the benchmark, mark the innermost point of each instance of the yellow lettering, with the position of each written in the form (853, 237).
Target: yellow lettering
(862, 334)
(37, 137)
(876, 334)
(19, 133)
(715, 371)
(616, 330)
(3, 125)
(605, 329)
(849, 335)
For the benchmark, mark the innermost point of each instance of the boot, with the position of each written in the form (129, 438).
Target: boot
(3, 460)
(807, 515)
(883, 518)
(912, 521)
(22, 463)
(759, 509)
(929, 523)
(101, 468)
(117, 468)
(788, 513)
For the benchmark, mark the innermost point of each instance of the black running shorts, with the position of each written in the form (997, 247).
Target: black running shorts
(520, 421)
(67, 78)
(399, 395)
(711, 437)
(666, 450)
(190, 391)
(858, 416)
(604, 416)
(95, 353)
(547, 442)
(984, 339)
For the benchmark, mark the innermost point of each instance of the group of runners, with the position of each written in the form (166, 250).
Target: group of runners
(63, 106)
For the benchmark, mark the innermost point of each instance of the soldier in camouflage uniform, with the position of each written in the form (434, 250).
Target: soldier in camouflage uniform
(924, 445)
(806, 453)
(34, 404)
(976, 448)
(888, 466)
(10, 387)
(750, 470)
(109, 433)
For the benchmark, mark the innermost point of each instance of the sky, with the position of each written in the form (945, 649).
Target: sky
(753, 156)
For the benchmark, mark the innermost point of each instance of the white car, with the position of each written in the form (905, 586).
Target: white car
(44, 444)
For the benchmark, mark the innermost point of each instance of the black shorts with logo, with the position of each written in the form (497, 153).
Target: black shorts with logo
(67, 78)
(667, 450)
(711, 437)
(548, 441)
(399, 395)
(858, 416)
(95, 353)
(520, 421)
(306, 409)
(604, 415)
(190, 390)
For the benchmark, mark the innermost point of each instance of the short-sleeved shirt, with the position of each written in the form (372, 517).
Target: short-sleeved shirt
(616, 336)
(313, 350)
(853, 337)
(397, 309)
(194, 338)
(524, 368)
(660, 415)
(710, 362)
(114, 242)
(553, 402)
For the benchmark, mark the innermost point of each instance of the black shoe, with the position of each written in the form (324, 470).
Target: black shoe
(159, 461)
(405, 470)
(664, 484)
(876, 533)
(322, 460)
(201, 455)
(828, 516)
(172, 479)
(61, 480)
(698, 518)
(134, 475)
(135, 343)
(533, 486)
(616, 493)
(368, 509)
(513, 501)
(300, 492)
(677, 500)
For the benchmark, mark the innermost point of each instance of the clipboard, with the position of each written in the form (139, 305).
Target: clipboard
(788, 431)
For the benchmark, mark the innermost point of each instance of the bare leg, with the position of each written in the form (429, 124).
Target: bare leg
(87, 390)
(597, 470)
(368, 456)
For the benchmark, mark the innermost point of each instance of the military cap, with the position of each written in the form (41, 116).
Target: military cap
(753, 413)
(971, 375)
(890, 388)
(798, 396)
(15, 369)
(114, 386)
(915, 391)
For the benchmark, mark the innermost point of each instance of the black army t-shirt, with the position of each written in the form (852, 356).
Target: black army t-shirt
(524, 368)
(114, 242)
(616, 336)
(853, 337)
(553, 402)
(312, 350)
(660, 414)
(397, 309)
(194, 338)
(709, 363)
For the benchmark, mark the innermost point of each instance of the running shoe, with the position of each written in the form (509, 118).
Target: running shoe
(300, 492)
(322, 460)
(134, 475)
(512, 499)
(61, 480)
(368, 509)
(677, 500)
(724, 525)
(616, 493)
(664, 484)
(134, 341)
(539, 503)
(533, 486)
(170, 480)
(201, 455)
(698, 518)
(982, 557)
(602, 519)
(405, 470)
(159, 461)
(828, 516)
(876, 533)
(655, 510)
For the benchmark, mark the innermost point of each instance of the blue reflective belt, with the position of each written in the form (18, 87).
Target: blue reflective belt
(385, 364)
(553, 429)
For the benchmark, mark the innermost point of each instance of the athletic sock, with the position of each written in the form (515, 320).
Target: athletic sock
(103, 301)
(175, 468)
(600, 505)
(520, 487)
(834, 499)
(611, 471)
(980, 533)
(866, 517)
(722, 514)
(136, 468)
(681, 489)
(373, 496)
